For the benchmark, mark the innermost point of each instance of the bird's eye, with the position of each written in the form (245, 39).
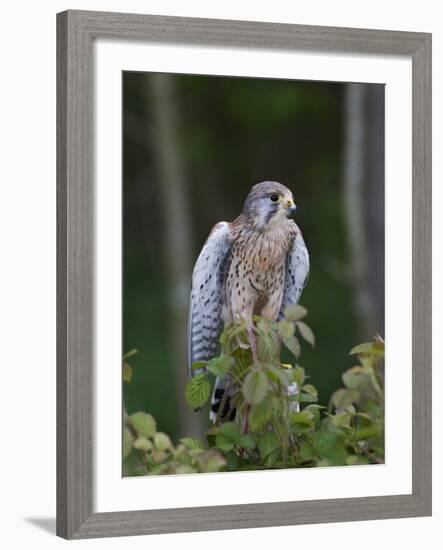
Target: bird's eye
(274, 198)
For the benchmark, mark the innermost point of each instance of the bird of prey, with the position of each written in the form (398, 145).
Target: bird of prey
(257, 264)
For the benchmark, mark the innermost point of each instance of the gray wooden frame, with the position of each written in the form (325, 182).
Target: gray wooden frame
(76, 31)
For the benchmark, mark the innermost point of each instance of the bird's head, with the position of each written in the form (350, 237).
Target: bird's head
(269, 204)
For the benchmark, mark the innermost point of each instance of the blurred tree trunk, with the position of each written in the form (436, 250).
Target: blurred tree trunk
(176, 231)
(364, 202)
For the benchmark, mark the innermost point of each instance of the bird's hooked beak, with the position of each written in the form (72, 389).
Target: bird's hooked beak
(291, 208)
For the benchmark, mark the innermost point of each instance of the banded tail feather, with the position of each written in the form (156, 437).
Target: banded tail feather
(228, 413)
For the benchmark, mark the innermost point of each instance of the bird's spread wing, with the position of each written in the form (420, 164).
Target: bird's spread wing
(208, 280)
(297, 271)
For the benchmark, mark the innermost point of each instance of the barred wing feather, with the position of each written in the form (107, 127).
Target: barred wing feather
(296, 275)
(207, 295)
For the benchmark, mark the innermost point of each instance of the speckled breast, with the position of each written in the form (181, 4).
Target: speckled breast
(255, 279)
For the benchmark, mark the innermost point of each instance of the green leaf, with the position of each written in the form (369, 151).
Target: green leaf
(243, 361)
(297, 375)
(158, 456)
(295, 312)
(215, 463)
(314, 409)
(133, 467)
(278, 374)
(233, 461)
(373, 430)
(305, 452)
(223, 443)
(342, 419)
(364, 418)
(127, 372)
(329, 444)
(306, 332)
(255, 387)
(144, 424)
(228, 436)
(379, 344)
(197, 390)
(285, 329)
(307, 398)
(196, 365)
(192, 443)
(232, 334)
(310, 389)
(293, 345)
(268, 346)
(268, 447)
(143, 443)
(127, 442)
(355, 377)
(162, 441)
(246, 441)
(301, 422)
(260, 414)
(231, 430)
(159, 468)
(361, 348)
(369, 348)
(220, 366)
(344, 398)
(210, 461)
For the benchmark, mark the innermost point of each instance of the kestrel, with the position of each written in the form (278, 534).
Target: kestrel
(256, 265)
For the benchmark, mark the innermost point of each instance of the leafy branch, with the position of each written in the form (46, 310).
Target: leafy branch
(278, 422)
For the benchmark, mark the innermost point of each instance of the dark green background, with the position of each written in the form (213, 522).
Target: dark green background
(230, 134)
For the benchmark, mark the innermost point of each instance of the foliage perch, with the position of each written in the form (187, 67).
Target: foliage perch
(265, 427)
